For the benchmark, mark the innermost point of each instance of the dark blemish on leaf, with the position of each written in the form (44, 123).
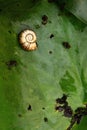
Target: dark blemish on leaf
(66, 45)
(45, 119)
(62, 105)
(81, 110)
(44, 19)
(29, 108)
(51, 36)
(50, 52)
(62, 100)
(76, 116)
(68, 111)
(50, 21)
(9, 31)
(11, 63)
(19, 115)
(43, 108)
(59, 108)
(37, 26)
(37, 44)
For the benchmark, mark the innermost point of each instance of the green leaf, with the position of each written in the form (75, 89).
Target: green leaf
(38, 78)
(78, 8)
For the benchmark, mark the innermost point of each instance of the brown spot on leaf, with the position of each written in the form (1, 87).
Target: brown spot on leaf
(68, 111)
(37, 26)
(43, 108)
(66, 45)
(44, 19)
(50, 52)
(59, 108)
(29, 108)
(11, 63)
(76, 116)
(19, 115)
(51, 36)
(62, 100)
(45, 119)
(9, 31)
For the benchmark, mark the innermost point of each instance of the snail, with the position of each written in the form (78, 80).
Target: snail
(27, 39)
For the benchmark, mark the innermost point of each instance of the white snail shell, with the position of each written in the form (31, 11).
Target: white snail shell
(27, 39)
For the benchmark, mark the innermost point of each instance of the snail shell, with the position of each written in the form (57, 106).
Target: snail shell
(27, 39)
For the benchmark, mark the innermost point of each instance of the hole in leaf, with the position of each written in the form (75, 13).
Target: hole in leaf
(29, 108)
(45, 119)
(51, 36)
(66, 45)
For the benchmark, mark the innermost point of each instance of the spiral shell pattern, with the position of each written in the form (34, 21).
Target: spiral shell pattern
(27, 39)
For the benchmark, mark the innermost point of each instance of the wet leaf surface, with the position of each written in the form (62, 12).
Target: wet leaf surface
(41, 76)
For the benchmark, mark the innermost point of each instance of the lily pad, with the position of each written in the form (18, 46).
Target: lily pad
(30, 87)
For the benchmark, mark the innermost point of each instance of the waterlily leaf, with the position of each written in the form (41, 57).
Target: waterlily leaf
(30, 82)
(78, 8)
